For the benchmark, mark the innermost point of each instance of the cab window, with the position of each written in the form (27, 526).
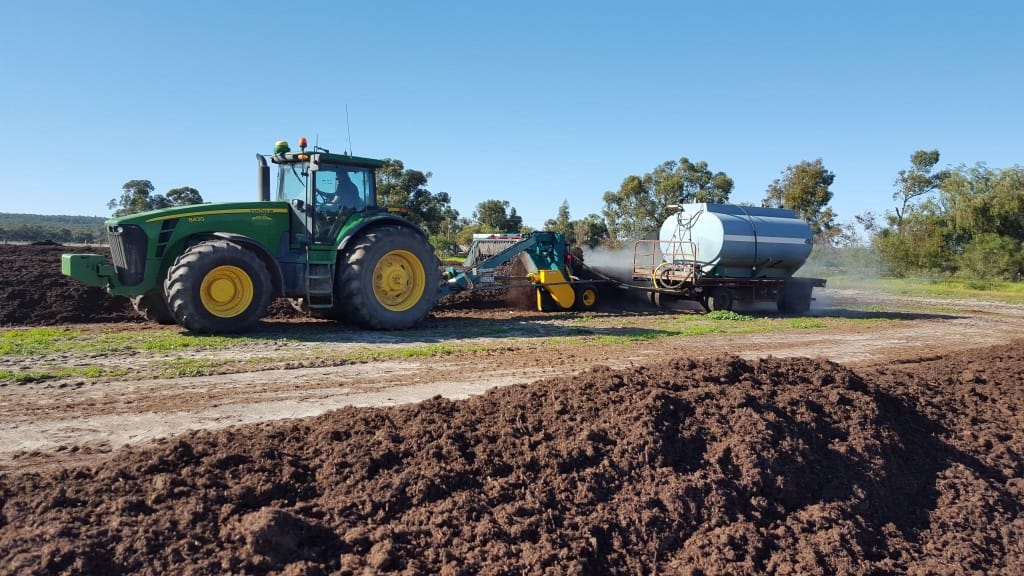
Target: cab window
(345, 187)
(292, 182)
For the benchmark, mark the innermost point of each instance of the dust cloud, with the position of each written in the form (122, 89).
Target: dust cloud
(617, 264)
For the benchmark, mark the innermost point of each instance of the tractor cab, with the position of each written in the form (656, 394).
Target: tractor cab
(327, 192)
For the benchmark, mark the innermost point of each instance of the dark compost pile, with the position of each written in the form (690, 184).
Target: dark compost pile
(784, 466)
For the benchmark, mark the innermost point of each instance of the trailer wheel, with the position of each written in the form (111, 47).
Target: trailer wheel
(388, 279)
(795, 297)
(218, 286)
(586, 296)
(661, 299)
(153, 307)
(720, 299)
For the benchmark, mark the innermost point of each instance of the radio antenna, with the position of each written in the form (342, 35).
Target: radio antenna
(349, 127)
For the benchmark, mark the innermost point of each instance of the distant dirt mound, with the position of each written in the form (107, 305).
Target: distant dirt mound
(786, 466)
(33, 292)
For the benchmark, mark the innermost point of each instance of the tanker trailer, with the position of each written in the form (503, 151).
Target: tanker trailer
(723, 254)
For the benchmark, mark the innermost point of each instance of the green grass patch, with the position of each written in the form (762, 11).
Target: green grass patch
(87, 372)
(718, 322)
(728, 315)
(629, 338)
(35, 341)
(1010, 292)
(167, 342)
(700, 329)
(43, 341)
(804, 323)
(404, 352)
(162, 342)
(186, 367)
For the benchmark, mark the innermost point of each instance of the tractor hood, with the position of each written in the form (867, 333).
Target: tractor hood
(142, 245)
(196, 213)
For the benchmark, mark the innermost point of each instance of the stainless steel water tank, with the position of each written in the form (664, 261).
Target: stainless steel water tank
(739, 241)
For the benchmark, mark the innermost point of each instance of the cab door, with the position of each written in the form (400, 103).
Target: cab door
(339, 194)
(293, 188)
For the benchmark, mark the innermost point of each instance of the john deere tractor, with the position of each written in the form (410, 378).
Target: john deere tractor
(322, 241)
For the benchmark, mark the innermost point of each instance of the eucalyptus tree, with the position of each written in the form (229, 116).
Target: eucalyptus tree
(805, 189)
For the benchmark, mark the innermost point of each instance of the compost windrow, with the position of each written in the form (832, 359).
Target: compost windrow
(786, 466)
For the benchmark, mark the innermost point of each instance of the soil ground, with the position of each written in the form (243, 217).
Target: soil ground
(883, 437)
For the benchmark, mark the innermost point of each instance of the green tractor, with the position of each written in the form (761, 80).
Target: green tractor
(322, 242)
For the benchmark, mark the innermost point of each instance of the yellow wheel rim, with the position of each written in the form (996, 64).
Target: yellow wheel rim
(588, 297)
(226, 291)
(399, 280)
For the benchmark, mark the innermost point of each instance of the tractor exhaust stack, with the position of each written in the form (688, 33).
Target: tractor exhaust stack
(263, 179)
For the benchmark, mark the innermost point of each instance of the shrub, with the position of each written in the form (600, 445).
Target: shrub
(992, 257)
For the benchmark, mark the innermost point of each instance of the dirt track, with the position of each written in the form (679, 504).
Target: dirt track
(649, 456)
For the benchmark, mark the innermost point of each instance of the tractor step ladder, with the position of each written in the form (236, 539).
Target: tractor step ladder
(320, 285)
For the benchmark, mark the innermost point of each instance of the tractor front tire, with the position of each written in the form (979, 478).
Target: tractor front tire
(218, 286)
(388, 279)
(153, 307)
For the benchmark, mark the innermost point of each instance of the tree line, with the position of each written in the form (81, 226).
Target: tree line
(965, 221)
(40, 228)
(136, 196)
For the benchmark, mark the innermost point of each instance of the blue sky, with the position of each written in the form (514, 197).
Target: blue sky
(530, 102)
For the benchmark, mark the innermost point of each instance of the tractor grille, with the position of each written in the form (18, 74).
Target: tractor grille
(128, 251)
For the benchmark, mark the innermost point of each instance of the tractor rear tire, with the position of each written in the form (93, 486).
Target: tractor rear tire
(153, 307)
(388, 279)
(218, 286)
